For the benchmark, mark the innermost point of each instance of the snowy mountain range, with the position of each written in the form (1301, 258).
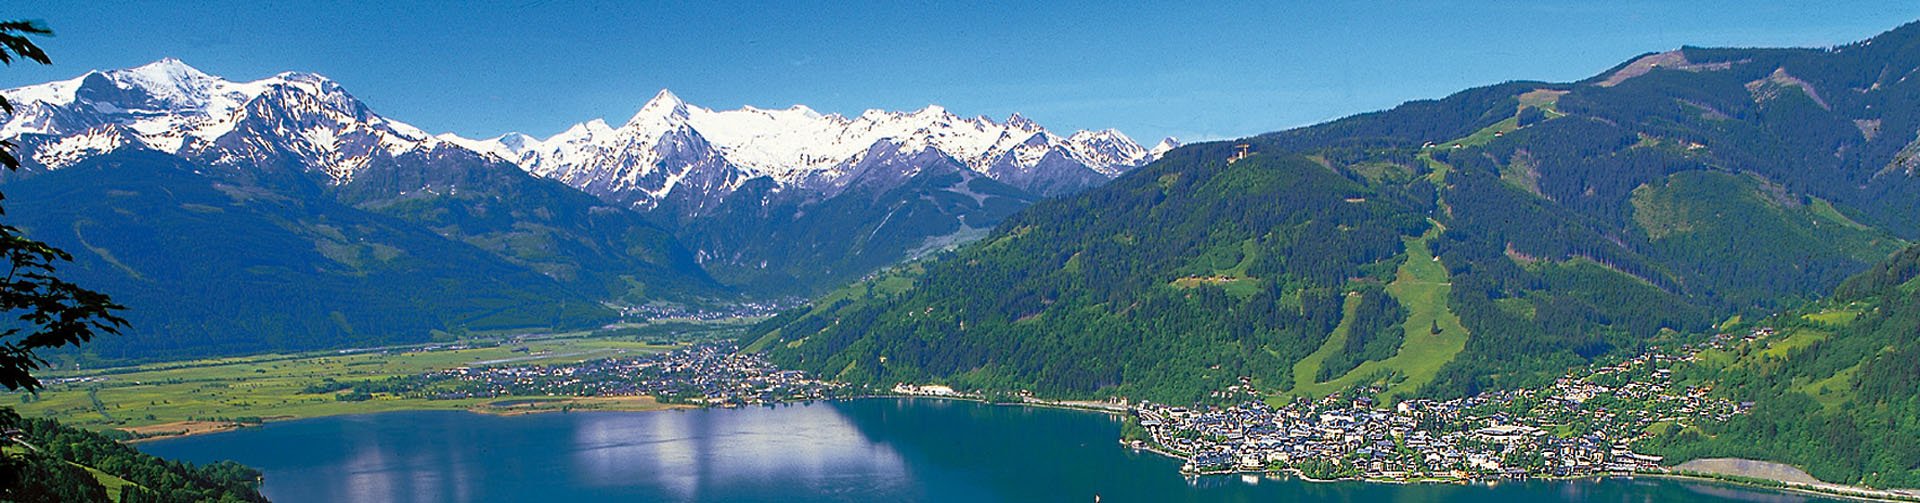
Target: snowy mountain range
(670, 144)
(766, 202)
(667, 149)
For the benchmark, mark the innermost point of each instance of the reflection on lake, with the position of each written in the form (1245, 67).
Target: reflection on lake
(692, 455)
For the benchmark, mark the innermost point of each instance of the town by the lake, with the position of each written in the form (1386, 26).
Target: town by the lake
(1585, 424)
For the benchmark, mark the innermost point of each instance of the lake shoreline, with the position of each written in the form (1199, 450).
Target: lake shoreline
(620, 455)
(187, 428)
(197, 427)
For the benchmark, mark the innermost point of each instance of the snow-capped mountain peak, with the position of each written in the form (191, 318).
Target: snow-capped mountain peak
(1166, 145)
(588, 129)
(168, 80)
(506, 147)
(515, 141)
(1107, 151)
(1020, 122)
(664, 110)
(932, 111)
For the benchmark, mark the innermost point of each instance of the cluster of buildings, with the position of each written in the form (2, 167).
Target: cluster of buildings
(709, 374)
(749, 309)
(1584, 424)
(933, 390)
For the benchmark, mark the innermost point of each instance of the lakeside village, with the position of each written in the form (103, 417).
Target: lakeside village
(709, 374)
(669, 311)
(1581, 426)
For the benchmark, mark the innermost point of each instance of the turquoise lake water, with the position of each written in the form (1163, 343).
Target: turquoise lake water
(864, 450)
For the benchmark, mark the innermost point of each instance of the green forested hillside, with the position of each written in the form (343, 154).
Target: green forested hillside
(1569, 220)
(1249, 285)
(599, 250)
(1836, 389)
(775, 244)
(269, 267)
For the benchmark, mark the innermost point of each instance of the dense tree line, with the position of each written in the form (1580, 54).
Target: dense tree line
(57, 454)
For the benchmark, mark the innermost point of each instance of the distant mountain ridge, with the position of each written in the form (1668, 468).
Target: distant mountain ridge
(171, 107)
(669, 144)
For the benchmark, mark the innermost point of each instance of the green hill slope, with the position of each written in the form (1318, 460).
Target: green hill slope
(1575, 220)
(1171, 289)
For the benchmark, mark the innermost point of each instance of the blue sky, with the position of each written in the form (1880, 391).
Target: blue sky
(1196, 70)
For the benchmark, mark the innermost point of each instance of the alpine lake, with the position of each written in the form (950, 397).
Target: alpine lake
(857, 450)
